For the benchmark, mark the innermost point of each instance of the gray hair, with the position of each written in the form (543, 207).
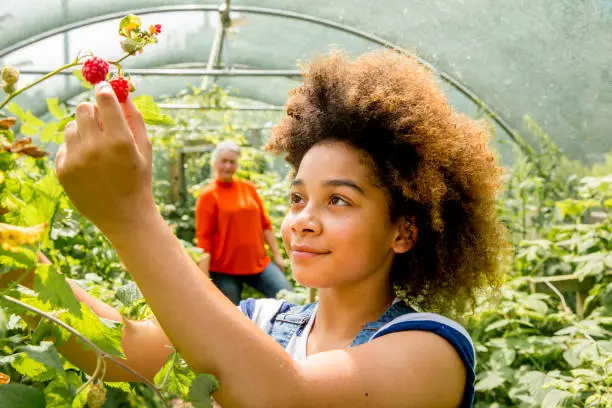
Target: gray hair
(229, 145)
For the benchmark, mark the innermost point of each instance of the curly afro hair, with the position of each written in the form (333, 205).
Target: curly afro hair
(435, 165)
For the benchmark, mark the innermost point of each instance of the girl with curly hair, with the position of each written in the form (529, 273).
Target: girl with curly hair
(392, 218)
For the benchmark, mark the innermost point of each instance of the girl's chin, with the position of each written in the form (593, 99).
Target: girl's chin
(311, 278)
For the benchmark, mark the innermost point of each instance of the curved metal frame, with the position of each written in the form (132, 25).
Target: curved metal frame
(455, 83)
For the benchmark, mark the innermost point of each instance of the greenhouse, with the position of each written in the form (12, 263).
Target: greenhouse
(495, 289)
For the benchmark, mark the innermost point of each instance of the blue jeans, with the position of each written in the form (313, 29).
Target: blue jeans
(269, 282)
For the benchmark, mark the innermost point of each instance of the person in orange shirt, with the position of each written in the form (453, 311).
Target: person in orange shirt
(231, 228)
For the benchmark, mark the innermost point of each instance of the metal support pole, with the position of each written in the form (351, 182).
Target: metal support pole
(454, 82)
(214, 59)
(192, 72)
(66, 46)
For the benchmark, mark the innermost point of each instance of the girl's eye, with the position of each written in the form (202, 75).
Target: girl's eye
(337, 200)
(295, 198)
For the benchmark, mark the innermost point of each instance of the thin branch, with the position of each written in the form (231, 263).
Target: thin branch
(99, 364)
(554, 289)
(39, 80)
(97, 349)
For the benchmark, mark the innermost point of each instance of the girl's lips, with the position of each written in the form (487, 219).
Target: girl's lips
(306, 252)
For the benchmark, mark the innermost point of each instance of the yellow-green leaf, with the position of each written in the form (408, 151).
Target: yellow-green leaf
(49, 133)
(79, 75)
(55, 109)
(151, 112)
(16, 110)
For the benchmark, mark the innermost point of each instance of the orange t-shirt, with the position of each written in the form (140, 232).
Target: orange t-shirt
(230, 221)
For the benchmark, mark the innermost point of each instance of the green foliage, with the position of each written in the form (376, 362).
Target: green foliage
(534, 349)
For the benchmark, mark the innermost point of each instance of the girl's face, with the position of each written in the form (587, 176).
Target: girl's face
(226, 165)
(337, 232)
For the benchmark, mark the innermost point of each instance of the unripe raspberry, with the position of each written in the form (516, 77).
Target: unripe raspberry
(10, 75)
(121, 86)
(128, 45)
(95, 70)
(96, 396)
(8, 88)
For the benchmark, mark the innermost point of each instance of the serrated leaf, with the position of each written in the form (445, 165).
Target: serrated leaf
(123, 386)
(151, 113)
(21, 396)
(491, 381)
(36, 370)
(79, 75)
(55, 109)
(201, 389)
(52, 287)
(128, 293)
(555, 398)
(58, 393)
(174, 377)
(44, 353)
(105, 334)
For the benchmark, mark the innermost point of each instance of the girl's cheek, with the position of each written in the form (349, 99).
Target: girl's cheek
(286, 229)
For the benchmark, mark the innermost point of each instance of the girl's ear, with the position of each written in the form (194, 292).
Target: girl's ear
(406, 235)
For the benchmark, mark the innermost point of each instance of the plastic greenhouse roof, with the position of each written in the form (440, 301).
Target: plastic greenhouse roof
(546, 59)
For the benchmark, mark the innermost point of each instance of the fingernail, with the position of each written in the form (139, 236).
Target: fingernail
(102, 86)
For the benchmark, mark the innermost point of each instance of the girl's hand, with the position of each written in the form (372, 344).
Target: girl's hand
(104, 164)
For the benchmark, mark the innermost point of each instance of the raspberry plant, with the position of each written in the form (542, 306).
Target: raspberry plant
(36, 216)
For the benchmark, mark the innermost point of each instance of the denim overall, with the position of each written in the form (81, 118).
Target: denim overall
(291, 320)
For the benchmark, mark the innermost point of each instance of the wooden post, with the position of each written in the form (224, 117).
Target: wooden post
(174, 178)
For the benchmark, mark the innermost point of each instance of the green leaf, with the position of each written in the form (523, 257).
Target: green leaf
(588, 375)
(151, 112)
(79, 75)
(504, 357)
(555, 398)
(16, 110)
(61, 125)
(535, 304)
(52, 287)
(498, 325)
(51, 133)
(21, 396)
(45, 353)
(572, 357)
(36, 370)
(3, 324)
(55, 109)
(492, 380)
(28, 130)
(174, 377)
(58, 393)
(128, 294)
(201, 389)
(123, 386)
(33, 121)
(103, 333)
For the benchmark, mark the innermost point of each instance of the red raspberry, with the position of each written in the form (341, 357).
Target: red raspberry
(121, 86)
(95, 70)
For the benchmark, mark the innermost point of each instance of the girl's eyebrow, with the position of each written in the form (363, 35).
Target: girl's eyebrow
(333, 183)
